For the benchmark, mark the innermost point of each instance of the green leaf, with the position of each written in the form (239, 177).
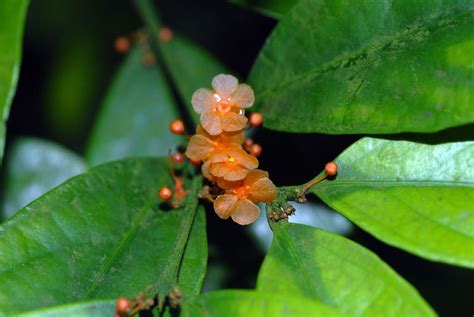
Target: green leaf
(340, 67)
(34, 166)
(194, 265)
(87, 309)
(12, 17)
(273, 8)
(102, 234)
(413, 196)
(135, 117)
(309, 262)
(191, 68)
(237, 303)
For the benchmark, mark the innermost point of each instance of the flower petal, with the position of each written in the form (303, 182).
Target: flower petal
(206, 173)
(253, 176)
(263, 190)
(236, 173)
(245, 212)
(203, 100)
(222, 183)
(243, 158)
(199, 148)
(230, 172)
(243, 97)
(234, 138)
(224, 85)
(224, 204)
(232, 121)
(211, 122)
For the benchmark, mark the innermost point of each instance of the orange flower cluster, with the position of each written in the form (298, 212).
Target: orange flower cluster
(218, 144)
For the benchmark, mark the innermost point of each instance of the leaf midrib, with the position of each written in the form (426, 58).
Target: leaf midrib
(120, 247)
(335, 63)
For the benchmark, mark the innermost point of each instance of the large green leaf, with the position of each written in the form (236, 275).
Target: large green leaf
(191, 68)
(272, 8)
(414, 196)
(103, 308)
(135, 117)
(309, 262)
(240, 303)
(34, 166)
(102, 234)
(12, 16)
(337, 66)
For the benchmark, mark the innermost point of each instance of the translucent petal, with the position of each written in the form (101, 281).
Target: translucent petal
(224, 204)
(243, 97)
(254, 175)
(211, 122)
(203, 100)
(222, 183)
(199, 148)
(229, 172)
(232, 121)
(243, 158)
(224, 85)
(245, 212)
(206, 173)
(263, 190)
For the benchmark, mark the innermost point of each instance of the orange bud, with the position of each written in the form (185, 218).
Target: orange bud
(122, 44)
(122, 304)
(165, 35)
(255, 150)
(177, 127)
(331, 168)
(177, 158)
(248, 143)
(165, 193)
(255, 119)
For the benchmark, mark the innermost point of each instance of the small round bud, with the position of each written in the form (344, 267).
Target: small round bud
(165, 193)
(177, 127)
(149, 59)
(165, 35)
(331, 168)
(122, 304)
(122, 44)
(255, 119)
(177, 158)
(248, 143)
(255, 150)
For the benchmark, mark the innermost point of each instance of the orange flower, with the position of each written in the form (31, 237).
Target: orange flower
(221, 108)
(203, 145)
(222, 154)
(233, 164)
(240, 199)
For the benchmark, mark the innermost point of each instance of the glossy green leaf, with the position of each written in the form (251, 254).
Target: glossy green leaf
(103, 308)
(12, 16)
(309, 262)
(102, 234)
(273, 8)
(340, 67)
(135, 117)
(413, 196)
(34, 166)
(244, 303)
(191, 68)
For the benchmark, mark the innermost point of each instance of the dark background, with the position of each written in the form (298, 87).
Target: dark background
(68, 62)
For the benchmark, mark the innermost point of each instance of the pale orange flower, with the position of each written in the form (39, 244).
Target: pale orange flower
(222, 154)
(240, 198)
(202, 145)
(221, 108)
